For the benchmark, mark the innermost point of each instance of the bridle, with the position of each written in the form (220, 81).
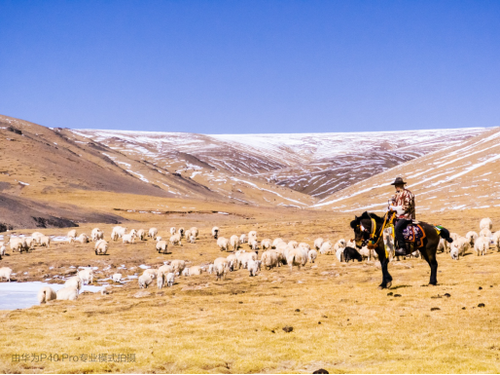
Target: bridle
(374, 238)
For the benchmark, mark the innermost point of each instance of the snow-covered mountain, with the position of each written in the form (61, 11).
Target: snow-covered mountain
(314, 164)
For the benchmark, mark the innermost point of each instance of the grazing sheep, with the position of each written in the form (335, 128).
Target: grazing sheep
(234, 241)
(486, 223)
(185, 272)
(2, 251)
(471, 237)
(243, 239)
(166, 268)
(151, 272)
(276, 242)
(97, 234)
(296, 257)
(67, 293)
(221, 271)
(181, 231)
(253, 243)
(187, 234)
(195, 271)
(46, 294)
(223, 244)
(18, 244)
(211, 269)
(5, 273)
(312, 255)
(221, 260)
(194, 231)
(305, 246)
(86, 275)
(317, 243)
(294, 244)
(351, 253)
(266, 244)
(153, 232)
(326, 248)
(163, 276)
(215, 232)
(74, 282)
(339, 253)
(254, 267)
(350, 243)
(481, 246)
(36, 237)
(170, 280)
(128, 238)
(270, 259)
(145, 280)
(234, 262)
(443, 246)
(44, 241)
(192, 238)
(173, 231)
(459, 247)
(72, 234)
(176, 239)
(101, 247)
(117, 277)
(252, 234)
(454, 236)
(141, 234)
(485, 233)
(162, 247)
(496, 239)
(82, 238)
(178, 266)
(118, 232)
(367, 253)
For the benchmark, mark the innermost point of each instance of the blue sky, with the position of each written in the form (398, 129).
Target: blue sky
(251, 66)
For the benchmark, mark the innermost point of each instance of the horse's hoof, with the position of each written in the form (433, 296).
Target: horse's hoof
(389, 284)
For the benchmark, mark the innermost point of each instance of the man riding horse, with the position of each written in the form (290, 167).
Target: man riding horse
(403, 203)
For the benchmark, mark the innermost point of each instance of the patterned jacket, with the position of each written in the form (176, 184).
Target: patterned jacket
(406, 200)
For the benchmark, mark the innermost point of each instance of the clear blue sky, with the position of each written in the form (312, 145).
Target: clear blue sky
(251, 66)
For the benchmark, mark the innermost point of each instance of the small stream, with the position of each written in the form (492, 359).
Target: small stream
(22, 295)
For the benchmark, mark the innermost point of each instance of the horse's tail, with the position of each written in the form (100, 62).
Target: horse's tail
(445, 233)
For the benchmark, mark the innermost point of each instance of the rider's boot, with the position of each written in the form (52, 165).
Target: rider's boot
(402, 251)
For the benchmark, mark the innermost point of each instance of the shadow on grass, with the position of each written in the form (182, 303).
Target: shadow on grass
(401, 286)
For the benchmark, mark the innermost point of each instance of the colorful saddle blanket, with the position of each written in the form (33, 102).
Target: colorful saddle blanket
(414, 234)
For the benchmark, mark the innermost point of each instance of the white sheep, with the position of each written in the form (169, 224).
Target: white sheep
(44, 241)
(318, 242)
(170, 279)
(82, 238)
(2, 250)
(46, 294)
(293, 244)
(86, 275)
(145, 280)
(5, 273)
(194, 231)
(101, 247)
(312, 255)
(118, 232)
(176, 239)
(96, 234)
(326, 248)
(234, 241)
(18, 244)
(459, 247)
(252, 234)
(153, 232)
(296, 257)
(117, 277)
(276, 242)
(36, 236)
(443, 245)
(220, 271)
(74, 282)
(67, 293)
(211, 268)
(195, 271)
(234, 262)
(187, 234)
(72, 234)
(151, 272)
(129, 238)
(181, 231)
(266, 243)
(485, 233)
(173, 231)
(141, 234)
(486, 223)
(496, 239)
(162, 247)
(178, 266)
(243, 239)
(221, 260)
(223, 244)
(185, 272)
(192, 238)
(253, 243)
(481, 246)
(270, 259)
(471, 237)
(454, 236)
(163, 275)
(254, 267)
(215, 232)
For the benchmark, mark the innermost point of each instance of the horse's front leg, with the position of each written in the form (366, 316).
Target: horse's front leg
(386, 276)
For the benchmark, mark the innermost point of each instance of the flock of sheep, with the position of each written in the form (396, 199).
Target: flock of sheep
(275, 253)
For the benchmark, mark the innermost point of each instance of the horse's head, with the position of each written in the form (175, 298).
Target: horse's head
(362, 228)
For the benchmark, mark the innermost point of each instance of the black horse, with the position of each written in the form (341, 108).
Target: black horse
(368, 228)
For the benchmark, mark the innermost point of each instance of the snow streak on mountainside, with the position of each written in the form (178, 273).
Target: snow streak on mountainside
(464, 175)
(314, 164)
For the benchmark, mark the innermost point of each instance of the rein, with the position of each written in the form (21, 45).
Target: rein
(372, 244)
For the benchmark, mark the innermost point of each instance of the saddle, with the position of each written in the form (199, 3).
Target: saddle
(414, 235)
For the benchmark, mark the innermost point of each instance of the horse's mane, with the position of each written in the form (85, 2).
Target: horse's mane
(371, 215)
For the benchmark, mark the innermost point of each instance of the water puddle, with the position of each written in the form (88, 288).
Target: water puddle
(22, 295)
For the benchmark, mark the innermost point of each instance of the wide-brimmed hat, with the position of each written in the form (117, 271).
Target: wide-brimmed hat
(399, 181)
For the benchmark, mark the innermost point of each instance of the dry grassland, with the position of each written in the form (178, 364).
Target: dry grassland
(341, 321)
